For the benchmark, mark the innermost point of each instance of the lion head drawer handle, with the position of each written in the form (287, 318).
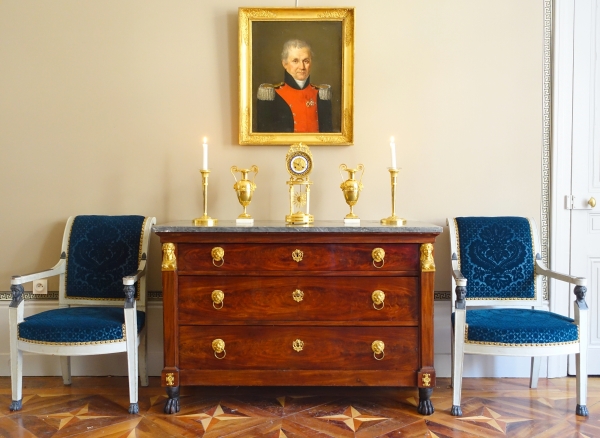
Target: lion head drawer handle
(298, 345)
(377, 347)
(297, 256)
(298, 295)
(217, 298)
(378, 297)
(378, 255)
(218, 255)
(218, 346)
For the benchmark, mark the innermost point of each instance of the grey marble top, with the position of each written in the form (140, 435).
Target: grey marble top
(229, 226)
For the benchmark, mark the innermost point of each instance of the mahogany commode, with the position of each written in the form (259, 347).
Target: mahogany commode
(319, 305)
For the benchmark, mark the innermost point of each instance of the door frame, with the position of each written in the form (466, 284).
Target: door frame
(569, 24)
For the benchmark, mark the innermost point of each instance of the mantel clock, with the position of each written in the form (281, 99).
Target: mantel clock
(299, 164)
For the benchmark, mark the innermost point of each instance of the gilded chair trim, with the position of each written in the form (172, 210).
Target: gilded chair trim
(500, 344)
(518, 327)
(77, 326)
(110, 341)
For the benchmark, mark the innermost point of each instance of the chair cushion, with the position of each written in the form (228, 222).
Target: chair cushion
(102, 250)
(77, 325)
(496, 257)
(519, 326)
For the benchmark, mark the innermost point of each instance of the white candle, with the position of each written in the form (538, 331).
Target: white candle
(393, 149)
(204, 154)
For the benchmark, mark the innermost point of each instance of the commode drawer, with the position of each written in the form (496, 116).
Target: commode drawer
(239, 257)
(234, 299)
(298, 348)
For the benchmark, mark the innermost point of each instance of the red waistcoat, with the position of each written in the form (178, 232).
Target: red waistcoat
(303, 104)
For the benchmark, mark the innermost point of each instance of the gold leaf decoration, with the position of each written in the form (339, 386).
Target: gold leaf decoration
(349, 33)
(337, 14)
(245, 33)
(259, 13)
(331, 139)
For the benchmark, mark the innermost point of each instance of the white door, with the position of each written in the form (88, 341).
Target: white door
(585, 168)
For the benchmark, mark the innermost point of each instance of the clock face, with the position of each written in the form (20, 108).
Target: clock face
(299, 164)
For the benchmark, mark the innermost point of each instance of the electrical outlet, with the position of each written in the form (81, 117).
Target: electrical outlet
(40, 287)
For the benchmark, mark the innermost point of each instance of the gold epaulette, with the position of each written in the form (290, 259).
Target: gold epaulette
(267, 91)
(324, 91)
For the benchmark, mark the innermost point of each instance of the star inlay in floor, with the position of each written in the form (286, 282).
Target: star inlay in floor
(352, 418)
(494, 419)
(65, 418)
(214, 416)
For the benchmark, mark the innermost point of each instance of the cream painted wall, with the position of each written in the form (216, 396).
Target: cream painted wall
(103, 103)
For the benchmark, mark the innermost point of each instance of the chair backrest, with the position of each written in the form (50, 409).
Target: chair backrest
(497, 257)
(100, 251)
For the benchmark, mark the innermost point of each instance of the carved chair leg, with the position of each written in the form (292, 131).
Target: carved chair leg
(172, 403)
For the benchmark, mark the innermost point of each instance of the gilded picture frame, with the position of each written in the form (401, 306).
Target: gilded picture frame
(330, 34)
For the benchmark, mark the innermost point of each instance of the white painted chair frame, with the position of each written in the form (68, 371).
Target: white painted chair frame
(135, 346)
(460, 348)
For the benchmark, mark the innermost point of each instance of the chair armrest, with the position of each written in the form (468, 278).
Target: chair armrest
(17, 281)
(133, 278)
(458, 277)
(540, 269)
(57, 269)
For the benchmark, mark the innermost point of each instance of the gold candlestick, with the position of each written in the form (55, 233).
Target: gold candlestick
(205, 220)
(393, 219)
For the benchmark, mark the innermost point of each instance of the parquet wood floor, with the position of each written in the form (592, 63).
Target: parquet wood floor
(97, 406)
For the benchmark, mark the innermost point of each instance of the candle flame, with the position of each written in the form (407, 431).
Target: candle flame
(204, 140)
(391, 139)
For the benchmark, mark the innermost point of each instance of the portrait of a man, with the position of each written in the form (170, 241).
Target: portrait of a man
(296, 75)
(296, 104)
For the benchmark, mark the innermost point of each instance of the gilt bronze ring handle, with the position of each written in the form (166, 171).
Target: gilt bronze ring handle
(377, 347)
(218, 346)
(218, 255)
(217, 298)
(378, 255)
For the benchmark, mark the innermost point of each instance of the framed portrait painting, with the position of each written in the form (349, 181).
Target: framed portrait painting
(296, 76)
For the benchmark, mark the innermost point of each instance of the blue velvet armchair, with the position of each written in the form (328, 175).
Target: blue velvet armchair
(102, 300)
(497, 306)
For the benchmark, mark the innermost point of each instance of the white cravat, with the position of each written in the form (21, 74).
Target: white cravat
(300, 83)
